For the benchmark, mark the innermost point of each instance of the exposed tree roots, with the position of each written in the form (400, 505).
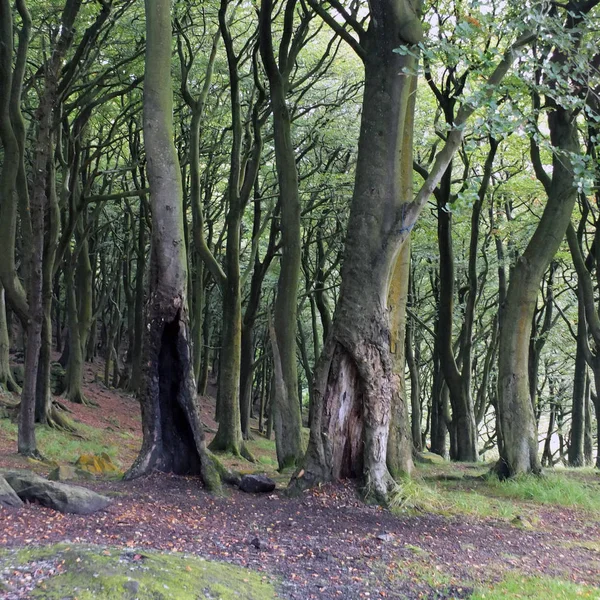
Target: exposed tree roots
(78, 397)
(240, 451)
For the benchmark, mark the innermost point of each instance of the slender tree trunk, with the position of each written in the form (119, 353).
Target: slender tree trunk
(415, 389)
(520, 449)
(74, 391)
(6, 379)
(136, 359)
(576, 445)
(588, 440)
(288, 419)
(206, 341)
(399, 449)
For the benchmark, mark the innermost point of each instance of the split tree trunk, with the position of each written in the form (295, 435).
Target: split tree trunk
(356, 383)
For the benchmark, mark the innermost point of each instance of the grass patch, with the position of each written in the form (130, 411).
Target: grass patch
(520, 586)
(557, 489)
(60, 447)
(415, 495)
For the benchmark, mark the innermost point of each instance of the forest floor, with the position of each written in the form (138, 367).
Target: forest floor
(457, 534)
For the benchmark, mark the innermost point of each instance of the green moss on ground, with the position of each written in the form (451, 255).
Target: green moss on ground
(88, 572)
(520, 586)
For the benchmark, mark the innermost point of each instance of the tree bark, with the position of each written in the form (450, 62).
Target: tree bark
(520, 447)
(576, 445)
(356, 384)
(400, 447)
(173, 434)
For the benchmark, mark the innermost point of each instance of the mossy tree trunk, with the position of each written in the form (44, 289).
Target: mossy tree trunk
(400, 447)
(244, 163)
(355, 380)
(12, 137)
(518, 423)
(173, 435)
(287, 413)
(7, 383)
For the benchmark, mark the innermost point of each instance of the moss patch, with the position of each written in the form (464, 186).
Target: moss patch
(516, 586)
(88, 572)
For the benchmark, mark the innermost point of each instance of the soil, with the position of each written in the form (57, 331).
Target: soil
(324, 544)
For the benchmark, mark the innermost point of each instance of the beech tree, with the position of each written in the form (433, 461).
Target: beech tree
(356, 384)
(173, 433)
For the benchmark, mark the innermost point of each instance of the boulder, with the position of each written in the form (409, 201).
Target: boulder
(256, 484)
(8, 497)
(68, 472)
(59, 496)
(97, 464)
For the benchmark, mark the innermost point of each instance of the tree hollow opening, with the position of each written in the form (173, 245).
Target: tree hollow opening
(178, 443)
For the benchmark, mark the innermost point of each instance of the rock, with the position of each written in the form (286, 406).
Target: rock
(256, 484)
(68, 472)
(132, 586)
(97, 464)
(8, 497)
(385, 537)
(259, 544)
(59, 496)
(58, 379)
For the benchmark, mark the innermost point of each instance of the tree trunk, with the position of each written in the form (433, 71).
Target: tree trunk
(399, 448)
(356, 384)
(74, 391)
(415, 389)
(575, 454)
(520, 448)
(173, 434)
(6, 379)
(136, 358)
(288, 419)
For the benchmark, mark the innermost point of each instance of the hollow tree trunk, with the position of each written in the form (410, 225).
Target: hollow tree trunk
(173, 434)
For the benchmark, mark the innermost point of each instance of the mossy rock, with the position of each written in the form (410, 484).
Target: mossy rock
(58, 377)
(429, 458)
(97, 464)
(68, 473)
(91, 572)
